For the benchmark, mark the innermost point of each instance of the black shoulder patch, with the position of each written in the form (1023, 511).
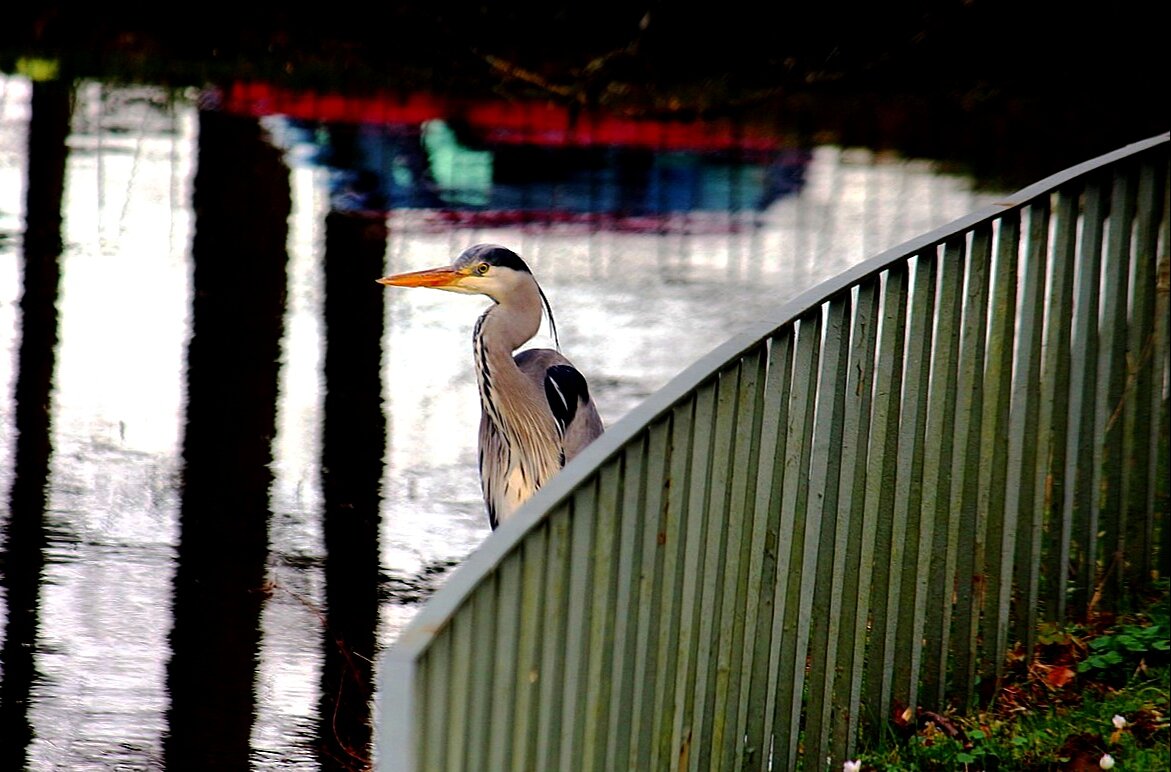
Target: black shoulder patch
(565, 388)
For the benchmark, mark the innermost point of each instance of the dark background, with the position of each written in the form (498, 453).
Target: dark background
(1010, 90)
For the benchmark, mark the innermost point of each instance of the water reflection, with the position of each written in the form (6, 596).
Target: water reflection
(23, 557)
(354, 438)
(476, 162)
(241, 200)
(324, 432)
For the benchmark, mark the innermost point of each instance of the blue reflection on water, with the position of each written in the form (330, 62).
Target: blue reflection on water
(432, 165)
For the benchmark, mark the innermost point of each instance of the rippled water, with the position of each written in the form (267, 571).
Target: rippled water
(637, 295)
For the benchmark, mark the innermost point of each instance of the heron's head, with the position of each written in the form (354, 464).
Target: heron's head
(485, 269)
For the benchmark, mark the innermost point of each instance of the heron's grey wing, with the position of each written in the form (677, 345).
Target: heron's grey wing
(568, 395)
(586, 427)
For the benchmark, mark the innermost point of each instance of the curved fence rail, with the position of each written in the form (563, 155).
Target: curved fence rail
(853, 512)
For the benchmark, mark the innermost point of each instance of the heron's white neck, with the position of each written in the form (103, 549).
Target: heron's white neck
(513, 321)
(502, 329)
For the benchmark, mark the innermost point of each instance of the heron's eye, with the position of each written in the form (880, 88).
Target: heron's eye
(482, 268)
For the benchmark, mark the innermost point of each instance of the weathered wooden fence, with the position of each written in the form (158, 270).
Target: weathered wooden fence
(852, 512)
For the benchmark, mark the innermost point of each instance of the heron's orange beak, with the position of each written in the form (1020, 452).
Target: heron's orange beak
(432, 277)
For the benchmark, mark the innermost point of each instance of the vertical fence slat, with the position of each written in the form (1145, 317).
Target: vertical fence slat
(880, 494)
(919, 533)
(966, 462)
(636, 560)
(1113, 369)
(829, 525)
(761, 673)
(529, 648)
(1053, 446)
(855, 608)
(553, 644)
(691, 591)
(717, 530)
(509, 598)
(675, 570)
(1161, 404)
(603, 619)
(789, 676)
(462, 631)
(1141, 426)
(999, 525)
(479, 690)
(575, 677)
(637, 728)
(1080, 504)
(1026, 444)
(432, 747)
(738, 593)
(939, 452)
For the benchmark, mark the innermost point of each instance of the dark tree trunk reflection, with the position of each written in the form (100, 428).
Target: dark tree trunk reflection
(353, 445)
(242, 204)
(23, 557)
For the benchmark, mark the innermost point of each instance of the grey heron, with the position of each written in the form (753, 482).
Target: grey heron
(535, 407)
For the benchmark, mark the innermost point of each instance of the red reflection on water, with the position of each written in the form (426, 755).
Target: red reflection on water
(518, 123)
(530, 163)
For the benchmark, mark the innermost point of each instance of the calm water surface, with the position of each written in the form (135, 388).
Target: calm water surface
(643, 280)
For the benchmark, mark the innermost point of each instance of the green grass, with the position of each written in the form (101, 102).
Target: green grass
(1059, 711)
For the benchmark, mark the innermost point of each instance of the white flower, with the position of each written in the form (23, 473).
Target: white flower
(852, 766)
(1106, 762)
(1119, 721)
